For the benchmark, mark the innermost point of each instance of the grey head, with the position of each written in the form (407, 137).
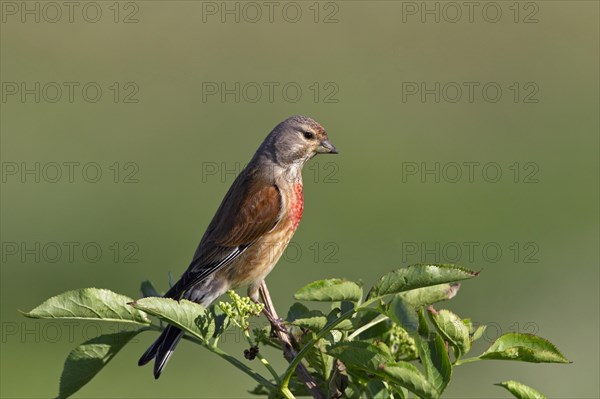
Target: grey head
(295, 140)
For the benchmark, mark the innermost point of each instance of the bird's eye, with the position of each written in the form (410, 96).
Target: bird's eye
(308, 135)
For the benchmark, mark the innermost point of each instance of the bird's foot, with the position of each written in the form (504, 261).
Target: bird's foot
(277, 324)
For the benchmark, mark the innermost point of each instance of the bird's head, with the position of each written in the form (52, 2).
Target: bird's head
(297, 139)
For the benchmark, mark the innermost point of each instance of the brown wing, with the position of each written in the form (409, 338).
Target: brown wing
(248, 211)
(256, 215)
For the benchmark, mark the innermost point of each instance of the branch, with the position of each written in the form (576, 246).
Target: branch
(297, 360)
(288, 350)
(330, 326)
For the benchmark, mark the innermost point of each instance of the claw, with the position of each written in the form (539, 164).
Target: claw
(277, 325)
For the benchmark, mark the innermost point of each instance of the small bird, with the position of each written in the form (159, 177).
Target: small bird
(252, 227)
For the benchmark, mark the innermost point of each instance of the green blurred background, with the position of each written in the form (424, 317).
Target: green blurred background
(364, 214)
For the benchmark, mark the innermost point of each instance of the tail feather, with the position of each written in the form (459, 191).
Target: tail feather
(151, 351)
(162, 349)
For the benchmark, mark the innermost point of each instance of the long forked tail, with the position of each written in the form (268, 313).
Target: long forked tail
(162, 349)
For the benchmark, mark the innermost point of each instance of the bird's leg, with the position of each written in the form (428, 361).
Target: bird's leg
(288, 350)
(253, 293)
(269, 310)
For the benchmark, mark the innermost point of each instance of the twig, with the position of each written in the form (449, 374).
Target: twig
(339, 380)
(288, 350)
(243, 325)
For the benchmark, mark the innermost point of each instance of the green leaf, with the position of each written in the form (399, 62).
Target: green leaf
(375, 332)
(297, 310)
(377, 361)
(409, 377)
(85, 361)
(524, 347)
(521, 391)
(315, 320)
(452, 328)
(384, 349)
(474, 333)
(435, 360)
(344, 325)
(428, 295)
(148, 289)
(418, 276)
(478, 333)
(89, 303)
(317, 360)
(330, 290)
(400, 392)
(423, 325)
(187, 315)
(403, 314)
(377, 390)
(344, 306)
(362, 355)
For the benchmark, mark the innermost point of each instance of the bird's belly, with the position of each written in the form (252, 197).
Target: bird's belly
(258, 260)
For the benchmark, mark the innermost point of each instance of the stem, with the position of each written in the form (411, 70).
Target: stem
(226, 356)
(288, 350)
(287, 393)
(257, 377)
(387, 386)
(266, 363)
(260, 357)
(326, 369)
(245, 328)
(370, 324)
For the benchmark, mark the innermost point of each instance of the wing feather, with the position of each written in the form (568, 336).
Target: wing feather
(250, 209)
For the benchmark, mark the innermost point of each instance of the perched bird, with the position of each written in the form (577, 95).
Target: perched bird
(252, 227)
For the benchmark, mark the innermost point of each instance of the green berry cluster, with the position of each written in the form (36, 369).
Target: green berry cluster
(401, 344)
(240, 308)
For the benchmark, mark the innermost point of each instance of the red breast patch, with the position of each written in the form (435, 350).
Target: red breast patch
(297, 206)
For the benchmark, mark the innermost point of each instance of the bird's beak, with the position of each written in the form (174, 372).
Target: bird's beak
(326, 148)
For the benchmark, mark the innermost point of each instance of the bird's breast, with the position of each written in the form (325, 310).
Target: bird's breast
(297, 205)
